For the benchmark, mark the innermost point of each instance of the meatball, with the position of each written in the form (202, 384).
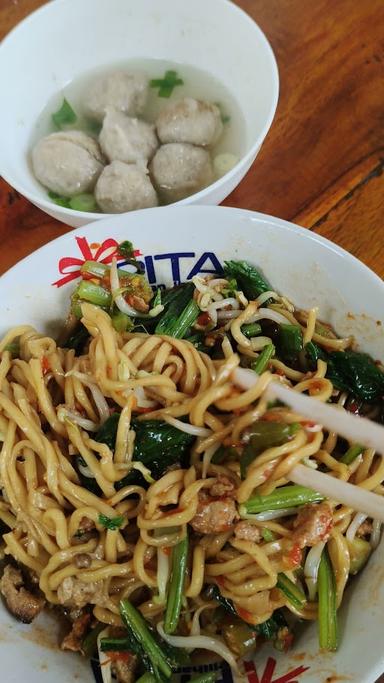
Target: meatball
(180, 169)
(127, 139)
(190, 120)
(124, 91)
(68, 163)
(124, 187)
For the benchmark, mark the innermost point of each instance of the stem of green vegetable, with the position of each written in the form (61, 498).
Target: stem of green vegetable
(176, 585)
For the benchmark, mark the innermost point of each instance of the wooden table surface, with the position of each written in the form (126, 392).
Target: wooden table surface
(322, 163)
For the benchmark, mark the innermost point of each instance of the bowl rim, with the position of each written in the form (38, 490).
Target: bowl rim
(244, 161)
(257, 216)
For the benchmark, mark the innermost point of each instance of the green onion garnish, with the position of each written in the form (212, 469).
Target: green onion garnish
(111, 523)
(167, 84)
(64, 116)
(59, 199)
(83, 202)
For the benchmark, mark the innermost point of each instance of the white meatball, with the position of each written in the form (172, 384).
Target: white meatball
(127, 139)
(179, 170)
(124, 187)
(68, 162)
(190, 120)
(124, 91)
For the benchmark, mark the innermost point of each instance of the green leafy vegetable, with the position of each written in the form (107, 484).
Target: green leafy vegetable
(248, 278)
(293, 592)
(175, 302)
(260, 364)
(167, 84)
(197, 340)
(357, 373)
(143, 643)
(185, 320)
(268, 629)
(157, 445)
(13, 348)
(77, 340)
(314, 352)
(264, 435)
(176, 585)
(64, 116)
(111, 523)
(327, 613)
(352, 453)
(290, 496)
(83, 202)
(89, 643)
(290, 343)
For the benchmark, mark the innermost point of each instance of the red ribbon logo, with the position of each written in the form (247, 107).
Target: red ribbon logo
(69, 266)
(268, 673)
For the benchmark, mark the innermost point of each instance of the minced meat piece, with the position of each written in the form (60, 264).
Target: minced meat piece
(23, 604)
(313, 523)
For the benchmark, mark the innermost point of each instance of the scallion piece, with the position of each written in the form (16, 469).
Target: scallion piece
(352, 453)
(83, 202)
(59, 199)
(115, 645)
(327, 614)
(261, 362)
(167, 84)
(294, 594)
(95, 294)
(176, 585)
(13, 348)
(65, 116)
(251, 330)
(111, 523)
(262, 435)
(268, 535)
(290, 496)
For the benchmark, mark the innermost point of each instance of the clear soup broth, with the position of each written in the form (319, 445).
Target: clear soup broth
(197, 83)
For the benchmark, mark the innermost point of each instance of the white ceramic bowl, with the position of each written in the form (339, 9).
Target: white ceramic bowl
(67, 38)
(310, 271)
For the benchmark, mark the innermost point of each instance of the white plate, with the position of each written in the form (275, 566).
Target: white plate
(175, 244)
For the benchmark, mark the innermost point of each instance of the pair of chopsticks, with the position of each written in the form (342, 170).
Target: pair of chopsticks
(355, 429)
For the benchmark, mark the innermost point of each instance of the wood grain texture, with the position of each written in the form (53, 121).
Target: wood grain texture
(322, 162)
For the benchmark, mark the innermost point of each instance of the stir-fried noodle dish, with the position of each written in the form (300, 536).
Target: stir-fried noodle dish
(147, 497)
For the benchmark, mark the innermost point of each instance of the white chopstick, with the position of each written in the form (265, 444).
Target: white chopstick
(341, 491)
(351, 427)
